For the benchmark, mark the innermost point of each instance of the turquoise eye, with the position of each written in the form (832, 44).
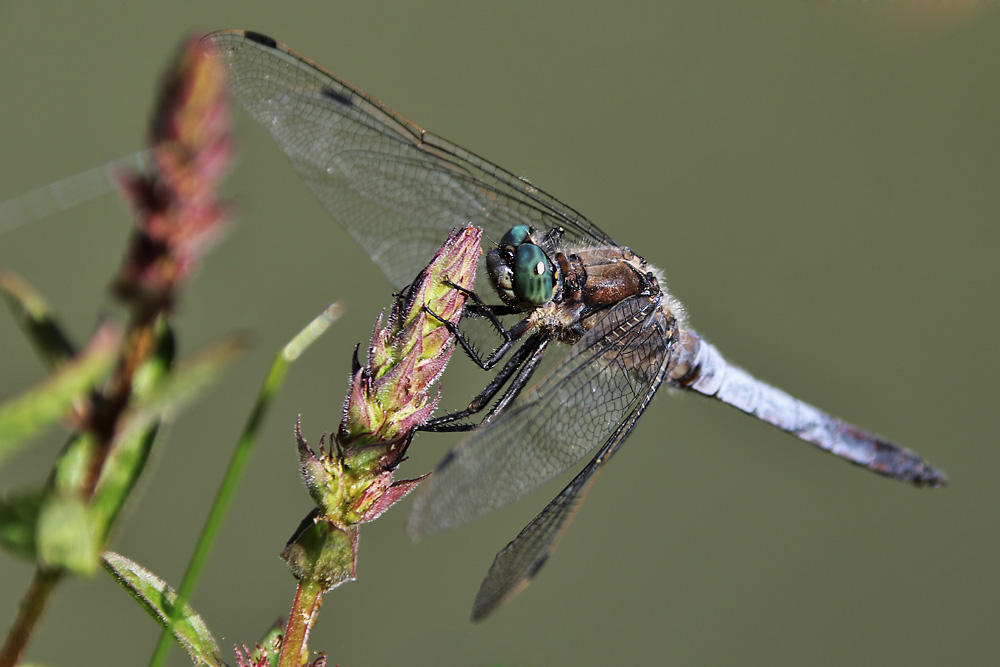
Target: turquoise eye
(515, 236)
(532, 275)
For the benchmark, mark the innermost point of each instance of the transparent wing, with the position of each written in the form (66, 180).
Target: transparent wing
(397, 189)
(518, 563)
(604, 381)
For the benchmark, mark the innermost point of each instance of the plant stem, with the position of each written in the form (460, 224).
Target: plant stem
(139, 346)
(241, 455)
(35, 598)
(308, 599)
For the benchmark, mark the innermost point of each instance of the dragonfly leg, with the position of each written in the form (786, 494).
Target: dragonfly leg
(492, 313)
(521, 366)
(480, 308)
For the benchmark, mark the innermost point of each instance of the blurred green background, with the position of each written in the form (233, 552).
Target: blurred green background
(819, 182)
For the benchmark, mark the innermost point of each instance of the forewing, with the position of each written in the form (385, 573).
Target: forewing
(578, 406)
(397, 189)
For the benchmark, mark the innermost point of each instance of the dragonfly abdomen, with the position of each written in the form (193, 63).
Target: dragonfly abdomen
(702, 367)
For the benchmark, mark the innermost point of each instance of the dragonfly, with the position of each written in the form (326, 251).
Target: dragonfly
(397, 190)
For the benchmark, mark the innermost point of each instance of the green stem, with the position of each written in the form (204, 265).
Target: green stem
(240, 457)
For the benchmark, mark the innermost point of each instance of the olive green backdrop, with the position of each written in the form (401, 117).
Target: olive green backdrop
(818, 180)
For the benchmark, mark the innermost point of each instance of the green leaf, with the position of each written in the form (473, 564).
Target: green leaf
(18, 521)
(158, 599)
(26, 415)
(321, 552)
(132, 446)
(186, 379)
(65, 537)
(270, 643)
(241, 454)
(32, 313)
(152, 371)
(119, 476)
(71, 467)
(302, 340)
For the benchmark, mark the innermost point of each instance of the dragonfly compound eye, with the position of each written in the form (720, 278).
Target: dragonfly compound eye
(515, 236)
(532, 274)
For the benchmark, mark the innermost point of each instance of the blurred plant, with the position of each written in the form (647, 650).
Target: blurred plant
(116, 391)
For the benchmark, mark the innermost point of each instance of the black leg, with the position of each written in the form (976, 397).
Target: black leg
(483, 309)
(521, 366)
(492, 313)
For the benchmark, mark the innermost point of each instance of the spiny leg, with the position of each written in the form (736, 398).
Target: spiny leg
(521, 366)
(492, 313)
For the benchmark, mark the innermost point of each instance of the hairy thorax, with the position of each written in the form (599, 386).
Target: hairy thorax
(592, 279)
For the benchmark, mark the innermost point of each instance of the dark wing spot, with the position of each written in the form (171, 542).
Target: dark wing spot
(536, 566)
(261, 39)
(340, 98)
(447, 461)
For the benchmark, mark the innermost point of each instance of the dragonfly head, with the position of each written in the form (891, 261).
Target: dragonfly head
(520, 271)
